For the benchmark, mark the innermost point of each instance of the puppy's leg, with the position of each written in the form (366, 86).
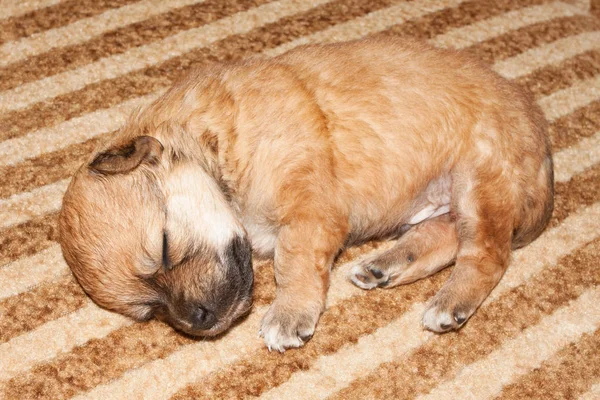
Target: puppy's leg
(484, 206)
(303, 258)
(422, 251)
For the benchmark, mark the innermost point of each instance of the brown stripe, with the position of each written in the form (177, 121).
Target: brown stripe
(567, 375)
(516, 42)
(520, 308)
(582, 190)
(556, 77)
(47, 302)
(120, 351)
(28, 238)
(595, 7)
(431, 25)
(111, 92)
(570, 129)
(95, 363)
(63, 13)
(118, 41)
(45, 169)
(58, 165)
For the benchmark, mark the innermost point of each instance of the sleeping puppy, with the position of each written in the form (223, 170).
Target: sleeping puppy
(297, 157)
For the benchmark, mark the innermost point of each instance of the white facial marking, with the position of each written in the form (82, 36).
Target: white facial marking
(196, 204)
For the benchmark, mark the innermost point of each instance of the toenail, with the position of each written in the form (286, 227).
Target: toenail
(460, 319)
(445, 326)
(377, 273)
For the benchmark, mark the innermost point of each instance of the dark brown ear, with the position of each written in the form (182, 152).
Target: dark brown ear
(124, 158)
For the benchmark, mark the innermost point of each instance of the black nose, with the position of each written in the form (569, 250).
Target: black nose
(202, 319)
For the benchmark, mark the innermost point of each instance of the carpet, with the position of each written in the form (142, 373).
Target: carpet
(72, 70)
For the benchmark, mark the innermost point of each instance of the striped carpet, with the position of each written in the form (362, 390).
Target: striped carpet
(72, 70)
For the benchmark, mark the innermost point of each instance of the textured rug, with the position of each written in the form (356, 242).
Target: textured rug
(71, 71)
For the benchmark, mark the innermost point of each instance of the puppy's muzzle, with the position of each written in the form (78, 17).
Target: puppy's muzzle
(213, 309)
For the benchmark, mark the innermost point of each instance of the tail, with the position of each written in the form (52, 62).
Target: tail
(537, 206)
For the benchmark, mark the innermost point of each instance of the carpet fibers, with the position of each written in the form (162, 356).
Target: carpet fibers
(72, 70)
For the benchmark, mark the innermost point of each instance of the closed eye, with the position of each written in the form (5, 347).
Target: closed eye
(143, 311)
(165, 253)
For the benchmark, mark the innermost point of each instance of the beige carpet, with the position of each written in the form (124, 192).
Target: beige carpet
(70, 72)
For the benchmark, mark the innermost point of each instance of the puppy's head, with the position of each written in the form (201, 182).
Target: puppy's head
(152, 235)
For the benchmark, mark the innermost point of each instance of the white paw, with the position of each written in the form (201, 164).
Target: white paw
(366, 276)
(439, 320)
(277, 340)
(436, 320)
(283, 330)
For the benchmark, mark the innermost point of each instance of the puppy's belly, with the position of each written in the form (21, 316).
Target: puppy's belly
(383, 220)
(432, 202)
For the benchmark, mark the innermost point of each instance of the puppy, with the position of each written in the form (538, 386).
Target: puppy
(296, 157)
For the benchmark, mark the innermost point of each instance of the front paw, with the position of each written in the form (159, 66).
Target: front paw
(447, 311)
(285, 326)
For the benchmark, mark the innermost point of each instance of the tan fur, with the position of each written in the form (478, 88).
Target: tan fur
(303, 154)
(423, 250)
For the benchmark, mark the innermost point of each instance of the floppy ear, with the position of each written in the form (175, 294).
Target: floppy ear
(126, 157)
